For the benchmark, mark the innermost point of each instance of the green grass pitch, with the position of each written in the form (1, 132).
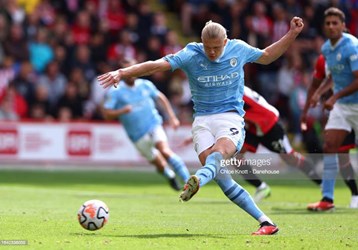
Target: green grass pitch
(41, 207)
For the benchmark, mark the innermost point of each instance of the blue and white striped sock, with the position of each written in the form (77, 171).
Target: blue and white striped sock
(209, 170)
(179, 167)
(238, 195)
(330, 170)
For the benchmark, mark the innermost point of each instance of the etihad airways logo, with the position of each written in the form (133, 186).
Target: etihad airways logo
(218, 78)
(338, 68)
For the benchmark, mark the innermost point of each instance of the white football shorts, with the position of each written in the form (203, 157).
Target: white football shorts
(207, 129)
(146, 144)
(343, 116)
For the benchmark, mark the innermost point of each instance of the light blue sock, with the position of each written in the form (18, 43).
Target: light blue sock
(179, 167)
(330, 170)
(209, 170)
(239, 195)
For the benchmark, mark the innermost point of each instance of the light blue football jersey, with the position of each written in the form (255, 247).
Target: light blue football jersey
(216, 86)
(144, 115)
(342, 60)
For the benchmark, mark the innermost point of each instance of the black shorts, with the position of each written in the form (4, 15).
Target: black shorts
(272, 140)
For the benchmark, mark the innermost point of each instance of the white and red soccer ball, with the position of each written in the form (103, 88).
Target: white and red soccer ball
(93, 215)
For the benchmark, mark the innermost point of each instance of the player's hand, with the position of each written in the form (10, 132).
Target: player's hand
(304, 121)
(330, 103)
(108, 79)
(296, 24)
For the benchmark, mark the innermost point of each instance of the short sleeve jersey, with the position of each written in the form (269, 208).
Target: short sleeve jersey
(144, 116)
(216, 86)
(342, 60)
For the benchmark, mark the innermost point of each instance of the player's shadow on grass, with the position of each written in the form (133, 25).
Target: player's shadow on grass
(153, 236)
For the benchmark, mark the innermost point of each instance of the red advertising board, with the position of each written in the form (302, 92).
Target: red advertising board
(79, 143)
(8, 141)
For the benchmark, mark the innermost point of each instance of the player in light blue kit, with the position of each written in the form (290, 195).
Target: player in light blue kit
(133, 104)
(341, 55)
(215, 72)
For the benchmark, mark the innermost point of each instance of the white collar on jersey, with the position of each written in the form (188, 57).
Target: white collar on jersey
(337, 43)
(222, 54)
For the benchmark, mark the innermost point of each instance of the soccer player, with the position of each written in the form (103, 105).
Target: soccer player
(133, 104)
(321, 84)
(263, 127)
(216, 77)
(341, 55)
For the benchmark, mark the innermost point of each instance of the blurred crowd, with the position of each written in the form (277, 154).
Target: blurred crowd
(51, 51)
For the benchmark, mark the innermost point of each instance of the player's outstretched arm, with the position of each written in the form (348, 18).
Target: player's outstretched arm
(164, 102)
(112, 78)
(275, 50)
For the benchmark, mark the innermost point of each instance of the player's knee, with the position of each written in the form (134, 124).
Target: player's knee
(226, 150)
(166, 152)
(224, 153)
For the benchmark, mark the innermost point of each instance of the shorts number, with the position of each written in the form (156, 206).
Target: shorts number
(234, 131)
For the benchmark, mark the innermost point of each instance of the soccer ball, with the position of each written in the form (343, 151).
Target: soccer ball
(93, 215)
